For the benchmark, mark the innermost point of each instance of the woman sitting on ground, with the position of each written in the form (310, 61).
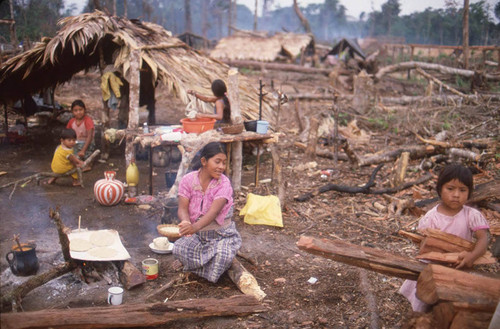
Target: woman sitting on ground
(209, 239)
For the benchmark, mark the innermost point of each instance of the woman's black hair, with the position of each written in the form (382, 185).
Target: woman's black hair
(78, 102)
(68, 133)
(208, 151)
(455, 171)
(219, 89)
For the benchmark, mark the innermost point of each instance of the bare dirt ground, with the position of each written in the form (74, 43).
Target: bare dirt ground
(343, 296)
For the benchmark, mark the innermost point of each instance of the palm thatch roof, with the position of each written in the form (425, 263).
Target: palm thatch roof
(86, 40)
(294, 43)
(259, 47)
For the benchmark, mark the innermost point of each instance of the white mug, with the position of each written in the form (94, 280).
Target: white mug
(115, 295)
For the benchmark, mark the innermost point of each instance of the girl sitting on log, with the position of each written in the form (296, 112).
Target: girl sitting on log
(451, 215)
(209, 239)
(222, 111)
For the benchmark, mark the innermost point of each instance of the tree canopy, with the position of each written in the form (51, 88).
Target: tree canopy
(328, 20)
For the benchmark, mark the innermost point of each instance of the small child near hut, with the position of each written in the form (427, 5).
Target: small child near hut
(454, 187)
(64, 160)
(83, 125)
(222, 111)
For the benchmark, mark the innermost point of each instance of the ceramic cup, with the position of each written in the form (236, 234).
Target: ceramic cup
(115, 295)
(161, 243)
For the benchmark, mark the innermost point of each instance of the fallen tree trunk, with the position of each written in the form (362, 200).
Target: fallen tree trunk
(133, 315)
(245, 281)
(373, 259)
(276, 66)
(324, 153)
(439, 283)
(429, 66)
(416, 152)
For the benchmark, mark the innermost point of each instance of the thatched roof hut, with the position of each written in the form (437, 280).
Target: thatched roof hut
(96, 39)
(294, 43)
(351, 45)
(260, 47)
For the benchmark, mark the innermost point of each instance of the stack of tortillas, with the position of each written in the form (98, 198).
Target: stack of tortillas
(98, 245)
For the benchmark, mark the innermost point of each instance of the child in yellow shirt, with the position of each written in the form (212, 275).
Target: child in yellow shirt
(64, 160)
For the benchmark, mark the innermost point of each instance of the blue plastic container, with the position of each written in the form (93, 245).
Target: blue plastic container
(262, 126)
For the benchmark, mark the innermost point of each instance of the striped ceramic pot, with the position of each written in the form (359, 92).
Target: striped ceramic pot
(108, 191)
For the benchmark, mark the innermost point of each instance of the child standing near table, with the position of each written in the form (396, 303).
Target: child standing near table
(451, 215)
(83, 125)
(209, 239)
(64, 160)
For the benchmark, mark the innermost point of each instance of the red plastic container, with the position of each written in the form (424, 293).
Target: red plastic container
(197, 125)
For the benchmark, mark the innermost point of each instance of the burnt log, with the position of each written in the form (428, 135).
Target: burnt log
(131, 276)
(133, 315)
(370, 258)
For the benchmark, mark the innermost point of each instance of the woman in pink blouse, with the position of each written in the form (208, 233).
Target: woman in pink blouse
(209, 239)
(451, 215)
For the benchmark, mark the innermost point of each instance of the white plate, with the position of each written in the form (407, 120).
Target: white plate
(160, 251)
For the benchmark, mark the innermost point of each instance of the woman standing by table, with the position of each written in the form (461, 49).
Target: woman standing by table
(209, 239)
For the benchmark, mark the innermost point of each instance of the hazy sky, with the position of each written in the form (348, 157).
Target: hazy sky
(354, 7)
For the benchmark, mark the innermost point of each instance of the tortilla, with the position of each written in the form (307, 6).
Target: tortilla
(102, 239)
(103, 252)
(80, 245)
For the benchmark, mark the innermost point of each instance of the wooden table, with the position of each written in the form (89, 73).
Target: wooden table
(228, 139)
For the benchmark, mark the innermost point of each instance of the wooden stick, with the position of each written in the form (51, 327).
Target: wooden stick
(16, 238)
(177, 279)
(34, 282)
(39, 176)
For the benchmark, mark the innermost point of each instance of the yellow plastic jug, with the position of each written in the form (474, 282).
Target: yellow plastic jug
(132, 174)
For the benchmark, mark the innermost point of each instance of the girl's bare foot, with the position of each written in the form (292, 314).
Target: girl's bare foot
(88, 168)
(76, 183)
(50, 181)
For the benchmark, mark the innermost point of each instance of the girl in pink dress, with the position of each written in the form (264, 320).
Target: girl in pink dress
(209, 239)
(451, 215)
(83, 125)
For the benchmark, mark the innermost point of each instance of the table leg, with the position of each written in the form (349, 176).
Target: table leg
(257, 163)
(228, 161)
(150, 170)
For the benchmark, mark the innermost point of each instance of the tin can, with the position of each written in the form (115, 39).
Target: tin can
(150, 268)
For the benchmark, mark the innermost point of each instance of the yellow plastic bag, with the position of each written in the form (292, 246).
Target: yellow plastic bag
(262, 210)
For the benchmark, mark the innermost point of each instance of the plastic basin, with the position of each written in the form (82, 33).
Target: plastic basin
(197, 125)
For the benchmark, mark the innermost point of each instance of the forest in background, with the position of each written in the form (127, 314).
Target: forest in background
(213, 18)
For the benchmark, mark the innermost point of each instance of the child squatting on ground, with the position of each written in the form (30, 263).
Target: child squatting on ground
(451, 215)
(84, 127)
(64, 160)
